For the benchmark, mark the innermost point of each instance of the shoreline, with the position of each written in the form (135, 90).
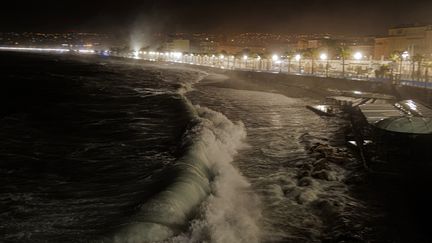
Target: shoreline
(297, 86)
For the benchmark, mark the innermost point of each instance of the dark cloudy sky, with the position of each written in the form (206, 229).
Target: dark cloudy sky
(300, 16)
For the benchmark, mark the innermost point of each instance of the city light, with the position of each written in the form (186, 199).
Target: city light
(177, 54)
(221, 56)
(323, 56)
(34, 49)
(85, 51)
(297, 57)
(405, 55)
(275, 58)
(358, 56)
(245, 57)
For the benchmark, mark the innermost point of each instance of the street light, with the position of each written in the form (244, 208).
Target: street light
(275, 59)
(358, 56)
(405, 56)
(298, 58)
(324, 57)
(245, 58)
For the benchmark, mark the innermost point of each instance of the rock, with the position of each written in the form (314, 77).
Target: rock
(324, 175)
(307, 166)
(321, 175)
(304, 173)
(336, 159)
(324, 149)
(321, 164)
(306, 197)
(291, 192)
(305, 181)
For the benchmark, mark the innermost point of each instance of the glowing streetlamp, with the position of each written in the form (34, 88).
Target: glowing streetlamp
(405, 56)
(257, 62)
(275, 59)
(298, 58)
(358, 56)
(324, 57)
(245, 58)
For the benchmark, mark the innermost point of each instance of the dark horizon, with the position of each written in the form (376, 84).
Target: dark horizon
(274, 16)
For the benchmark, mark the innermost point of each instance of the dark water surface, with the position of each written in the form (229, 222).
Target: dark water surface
(80, 144)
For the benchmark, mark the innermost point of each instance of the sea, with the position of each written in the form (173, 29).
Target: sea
(104, 149)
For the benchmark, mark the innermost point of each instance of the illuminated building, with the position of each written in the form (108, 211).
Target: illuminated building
(414, 39)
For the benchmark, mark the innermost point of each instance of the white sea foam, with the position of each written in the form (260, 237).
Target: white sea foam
(206, 185)
(231, 212)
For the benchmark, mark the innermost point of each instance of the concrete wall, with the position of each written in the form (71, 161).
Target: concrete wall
(318, 87)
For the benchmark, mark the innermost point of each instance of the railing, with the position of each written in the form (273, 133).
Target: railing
(402, 72)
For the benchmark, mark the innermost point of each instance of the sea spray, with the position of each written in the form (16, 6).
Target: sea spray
(231, 212)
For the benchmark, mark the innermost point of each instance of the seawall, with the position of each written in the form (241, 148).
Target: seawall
(319, 87)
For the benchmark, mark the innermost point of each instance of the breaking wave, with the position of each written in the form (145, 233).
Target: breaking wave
(205, 189)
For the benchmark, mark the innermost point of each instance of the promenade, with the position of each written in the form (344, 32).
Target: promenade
(403, 72)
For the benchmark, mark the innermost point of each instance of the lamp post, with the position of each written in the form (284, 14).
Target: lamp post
(245, 59)
(358, 56)
(324, 57)
(404, 56)
(233, 60)
(298, 59)
(275, 59)
(221, 60)
(259, 63)
(289, 64)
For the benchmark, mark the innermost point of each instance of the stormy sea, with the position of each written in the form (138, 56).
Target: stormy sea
(99, 149)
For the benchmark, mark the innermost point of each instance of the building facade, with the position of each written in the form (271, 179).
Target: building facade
(178, 45)
(413, 39)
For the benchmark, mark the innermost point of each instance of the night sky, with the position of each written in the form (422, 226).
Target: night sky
(223, 16)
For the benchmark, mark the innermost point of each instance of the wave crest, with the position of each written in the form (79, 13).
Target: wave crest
(229, 214)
